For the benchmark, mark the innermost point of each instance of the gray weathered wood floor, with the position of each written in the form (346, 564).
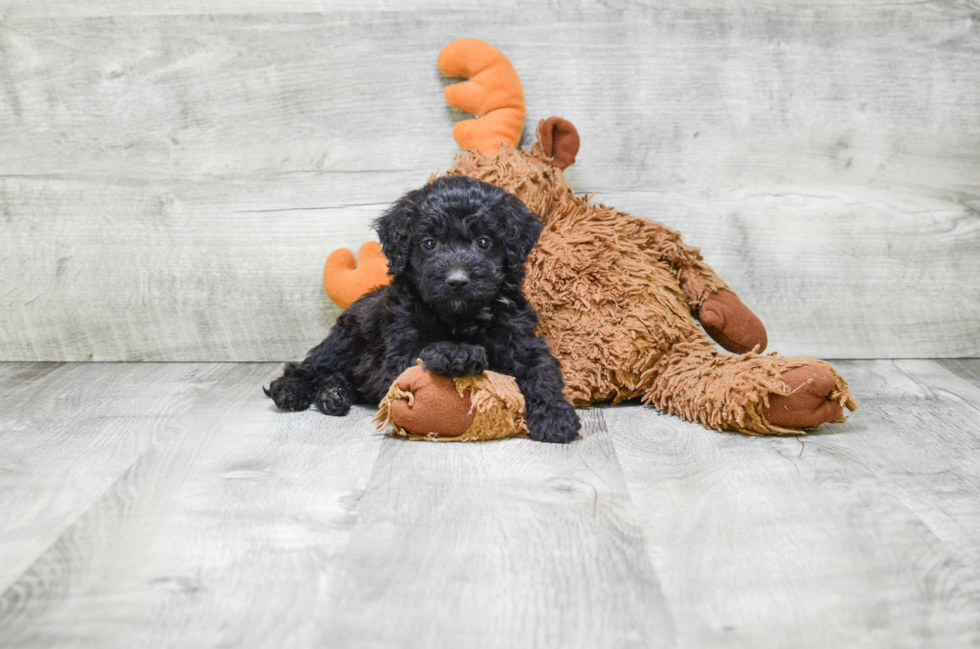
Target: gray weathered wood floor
(170, 505)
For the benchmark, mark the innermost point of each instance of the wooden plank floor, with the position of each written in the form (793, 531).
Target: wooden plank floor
(168, 505)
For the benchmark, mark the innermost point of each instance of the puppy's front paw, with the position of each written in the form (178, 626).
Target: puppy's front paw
(558, 424)
(290, 393)
(454, 359)
(334, 397)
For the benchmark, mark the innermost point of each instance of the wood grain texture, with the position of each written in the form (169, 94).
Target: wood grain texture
(111, 8)
(172, 177)
(863, 535)
(222, 533)
(240, 526)
(67, 433)
(512, 544)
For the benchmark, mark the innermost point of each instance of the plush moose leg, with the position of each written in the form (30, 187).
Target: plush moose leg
(750, 393)
(724, 316)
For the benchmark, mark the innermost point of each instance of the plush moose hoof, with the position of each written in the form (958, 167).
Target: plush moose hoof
(425, 406)
(435, 408)
(732, 324)
(808, 404)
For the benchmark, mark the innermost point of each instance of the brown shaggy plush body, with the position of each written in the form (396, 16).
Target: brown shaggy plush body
(615, 294)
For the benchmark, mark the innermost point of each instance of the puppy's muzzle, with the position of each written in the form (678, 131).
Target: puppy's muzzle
(457, 279)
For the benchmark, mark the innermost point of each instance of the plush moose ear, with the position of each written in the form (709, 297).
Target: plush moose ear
(523, 228)
(394, 232)
(559, 139)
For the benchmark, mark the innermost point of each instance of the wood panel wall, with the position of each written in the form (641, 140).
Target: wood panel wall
(173, 174)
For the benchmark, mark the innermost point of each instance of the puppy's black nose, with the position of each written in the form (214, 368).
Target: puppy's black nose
(457, 279)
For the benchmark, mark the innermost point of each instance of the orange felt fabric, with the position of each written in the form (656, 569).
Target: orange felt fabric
(493, 93)
(346, 279)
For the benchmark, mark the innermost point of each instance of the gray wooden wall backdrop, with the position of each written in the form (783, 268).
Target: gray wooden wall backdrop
(174, 173)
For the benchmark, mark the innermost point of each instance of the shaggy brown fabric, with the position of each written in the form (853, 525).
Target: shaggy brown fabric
(616, 294)
(424, 406)
(732, 392)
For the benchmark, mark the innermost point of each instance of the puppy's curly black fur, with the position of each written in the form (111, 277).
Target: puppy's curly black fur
(456, 250)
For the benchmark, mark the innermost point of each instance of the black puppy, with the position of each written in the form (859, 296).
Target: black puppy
(456, 251)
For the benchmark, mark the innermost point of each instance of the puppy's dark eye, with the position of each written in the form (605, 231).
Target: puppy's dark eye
(429, 244)
(484, 242)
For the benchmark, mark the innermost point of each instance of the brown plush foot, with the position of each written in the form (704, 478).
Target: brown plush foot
(808, 405)
(436, 406)
(732, 324)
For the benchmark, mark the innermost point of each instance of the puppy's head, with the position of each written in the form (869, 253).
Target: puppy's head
(461, 242)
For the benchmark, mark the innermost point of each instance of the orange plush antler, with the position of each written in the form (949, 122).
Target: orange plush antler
(493, 93)
(346, 280)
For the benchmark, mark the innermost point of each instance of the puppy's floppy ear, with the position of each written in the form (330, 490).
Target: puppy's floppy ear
(522, 228)
(394, 230)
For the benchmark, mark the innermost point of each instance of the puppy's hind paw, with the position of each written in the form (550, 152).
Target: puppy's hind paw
(334, 398)
(290, 393)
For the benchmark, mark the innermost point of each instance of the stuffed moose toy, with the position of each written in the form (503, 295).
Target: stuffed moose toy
(617, 296)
